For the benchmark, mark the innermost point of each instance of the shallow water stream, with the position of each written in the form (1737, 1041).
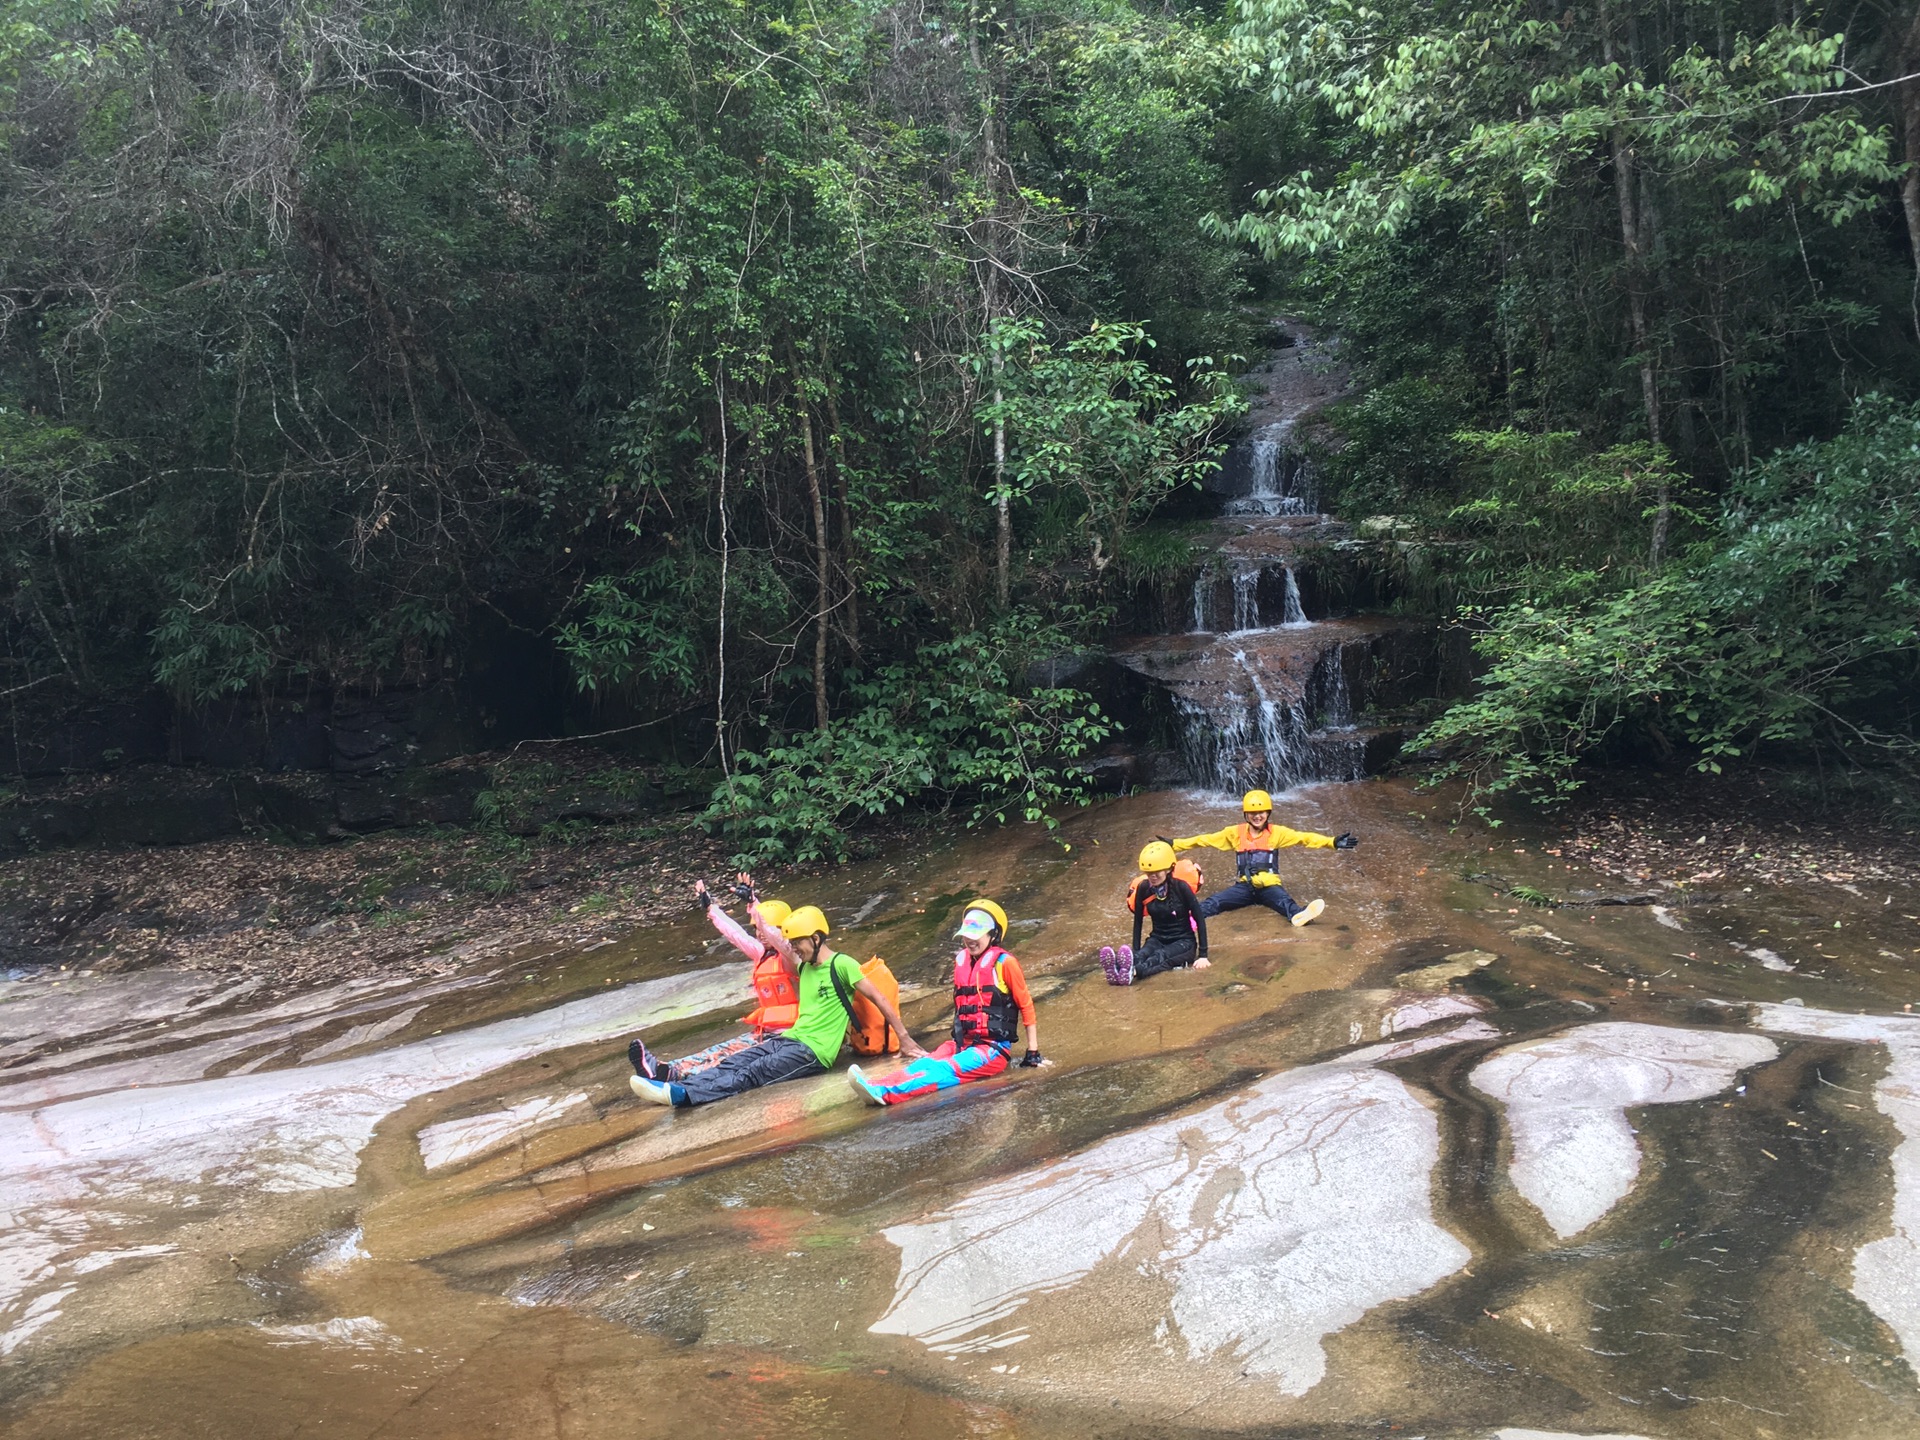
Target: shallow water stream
(1441, 1164)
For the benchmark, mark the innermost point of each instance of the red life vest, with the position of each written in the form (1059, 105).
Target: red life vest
(984, 1011)
(1257, 852)
(779, 1003)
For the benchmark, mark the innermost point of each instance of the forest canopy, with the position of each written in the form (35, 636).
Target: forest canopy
(748, 353)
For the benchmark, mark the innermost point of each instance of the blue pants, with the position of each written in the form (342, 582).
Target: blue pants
(1243, 893)
(774, 1059)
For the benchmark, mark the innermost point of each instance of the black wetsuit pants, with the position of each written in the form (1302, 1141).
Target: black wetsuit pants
(1157, 955)
(774, 1059)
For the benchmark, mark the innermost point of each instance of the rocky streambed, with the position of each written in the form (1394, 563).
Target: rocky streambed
(1445, 1161)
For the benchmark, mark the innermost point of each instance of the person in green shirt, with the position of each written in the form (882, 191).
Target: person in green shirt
(807, 1047)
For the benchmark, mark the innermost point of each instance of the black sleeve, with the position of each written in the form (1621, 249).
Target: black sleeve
(1192, 904)
(1140, 899)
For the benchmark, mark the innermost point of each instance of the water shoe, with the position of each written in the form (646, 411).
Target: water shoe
(1309, 912)
(868, 1090)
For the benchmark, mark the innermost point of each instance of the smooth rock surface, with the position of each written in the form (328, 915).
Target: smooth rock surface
(277, 1131)
(1566, 1097)
(1275, 1218)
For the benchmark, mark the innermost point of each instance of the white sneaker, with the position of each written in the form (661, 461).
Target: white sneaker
(868, 1090)
(652, 1090)
(1310, 913)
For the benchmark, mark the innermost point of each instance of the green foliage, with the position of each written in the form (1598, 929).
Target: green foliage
(635, 628)
(1499, 106)
(958, 726)
(1548, 518)
(1795, 625)
(1091, 421)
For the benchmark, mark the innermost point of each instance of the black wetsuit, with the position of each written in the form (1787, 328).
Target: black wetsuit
(1179, 930)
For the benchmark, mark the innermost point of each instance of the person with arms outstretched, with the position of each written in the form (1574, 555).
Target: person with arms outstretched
(1256, 843)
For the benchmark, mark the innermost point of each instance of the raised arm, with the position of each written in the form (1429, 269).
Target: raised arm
(730, 930)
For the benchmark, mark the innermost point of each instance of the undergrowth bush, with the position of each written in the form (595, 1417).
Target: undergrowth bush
(1793, 624)
(957, 726)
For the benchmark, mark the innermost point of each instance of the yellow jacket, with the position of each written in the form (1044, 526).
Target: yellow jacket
(1238, 838)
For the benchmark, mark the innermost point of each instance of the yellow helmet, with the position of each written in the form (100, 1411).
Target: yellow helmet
(1157, 856)
(987, 908)
(1255, 800)
(775, 912)
(805, 921)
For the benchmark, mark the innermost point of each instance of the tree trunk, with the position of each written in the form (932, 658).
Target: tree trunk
(1003, 536)
(849, 564)
(1634, 240)
(990, 294)
(1907, 105)
(822, 562)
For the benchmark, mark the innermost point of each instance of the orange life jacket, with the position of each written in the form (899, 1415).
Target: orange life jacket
(779, 1003)
(1257, 852)
(867, 1029)
(984, 1011)
(1183, 869)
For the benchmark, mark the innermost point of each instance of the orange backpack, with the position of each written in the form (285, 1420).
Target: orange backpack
(1183, 869)
(867, 1029)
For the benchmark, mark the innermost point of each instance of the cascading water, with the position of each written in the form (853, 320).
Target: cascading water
(1246, 600)
(1281, 481)
(1336, 708)
(1295, 613)
(1260, 690)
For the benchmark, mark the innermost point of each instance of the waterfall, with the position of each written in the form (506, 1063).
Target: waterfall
(1295, 612)
(1282, 731)
(1202, 590)
(1249, 737)
(1246, 600)
(1336, 709)
(1266, 470)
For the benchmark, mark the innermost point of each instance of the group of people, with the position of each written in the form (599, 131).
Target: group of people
(806, 989)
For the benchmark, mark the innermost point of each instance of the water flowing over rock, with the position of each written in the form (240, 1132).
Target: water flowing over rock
(1270, 683)
(1884, 1270)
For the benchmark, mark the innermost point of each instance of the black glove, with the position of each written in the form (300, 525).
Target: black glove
(1031, 1060)
(745, 892)
(702, 896)
(1344, 840)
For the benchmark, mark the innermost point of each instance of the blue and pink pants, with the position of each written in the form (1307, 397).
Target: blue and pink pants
(943, 1069)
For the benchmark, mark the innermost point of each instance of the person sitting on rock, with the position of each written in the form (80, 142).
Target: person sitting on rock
(989, 993)
(1179, 937)
(1256, 842)
(776, 1005)
(807, 1047)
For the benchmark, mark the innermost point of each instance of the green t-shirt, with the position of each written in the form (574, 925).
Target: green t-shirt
(822, 1024)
